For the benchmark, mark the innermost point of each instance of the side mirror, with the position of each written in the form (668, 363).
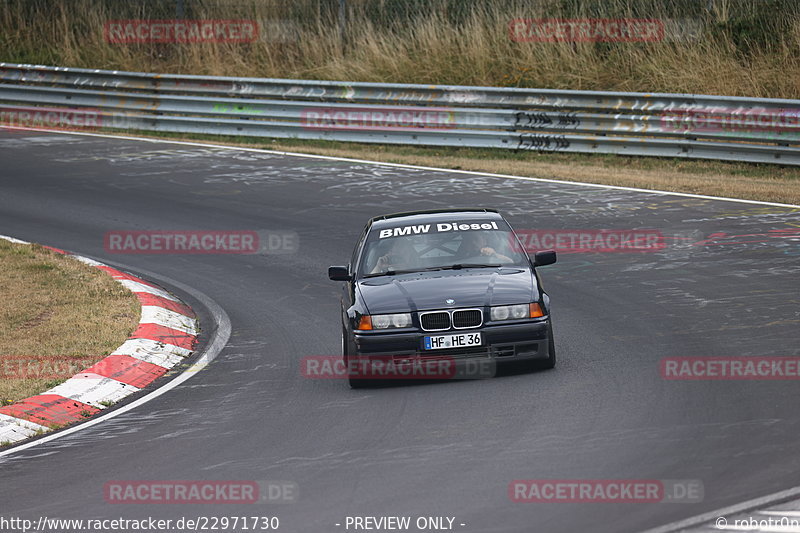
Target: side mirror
(547, 257)
(339, 273)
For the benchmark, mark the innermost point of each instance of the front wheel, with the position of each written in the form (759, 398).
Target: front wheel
(550, 362)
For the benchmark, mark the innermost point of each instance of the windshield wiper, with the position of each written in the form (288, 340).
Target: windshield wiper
(459, 266)
(431, 269)
(393, 272)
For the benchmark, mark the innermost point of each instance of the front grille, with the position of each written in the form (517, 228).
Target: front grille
(436, 321)
(469, 318)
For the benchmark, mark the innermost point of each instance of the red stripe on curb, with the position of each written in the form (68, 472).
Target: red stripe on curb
(56, 250)
(166, 335)
(50, 410)
(127, 369)
(145, 298)
(118, 274)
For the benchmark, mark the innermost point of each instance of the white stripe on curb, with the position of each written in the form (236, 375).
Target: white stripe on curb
(152, 314)
(12, 239)
(135, 286)
(154, 352)
(16, 429)
(93, 389)
(86, 260)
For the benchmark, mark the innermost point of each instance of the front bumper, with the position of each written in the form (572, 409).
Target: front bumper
(522, 341)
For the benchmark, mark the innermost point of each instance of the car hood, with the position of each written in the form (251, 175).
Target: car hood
(428, 290)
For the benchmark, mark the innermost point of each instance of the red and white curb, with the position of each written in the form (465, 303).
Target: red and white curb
(166, 336)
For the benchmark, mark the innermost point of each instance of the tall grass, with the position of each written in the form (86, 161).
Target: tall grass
(746, 48)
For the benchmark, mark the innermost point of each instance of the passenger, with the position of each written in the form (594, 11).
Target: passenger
(402, 256)
(478, 244)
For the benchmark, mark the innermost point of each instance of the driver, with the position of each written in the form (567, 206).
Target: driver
(478, 244)
(401, 256)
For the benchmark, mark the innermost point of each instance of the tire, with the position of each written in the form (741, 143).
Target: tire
(550, 362)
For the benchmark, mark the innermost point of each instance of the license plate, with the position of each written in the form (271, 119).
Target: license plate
(442, 342)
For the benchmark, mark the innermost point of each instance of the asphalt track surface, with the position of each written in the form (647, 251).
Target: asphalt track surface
(437, 449)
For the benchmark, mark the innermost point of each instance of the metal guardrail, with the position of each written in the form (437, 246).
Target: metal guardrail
(673, 125)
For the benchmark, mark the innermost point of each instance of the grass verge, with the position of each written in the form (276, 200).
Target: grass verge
(57, 317)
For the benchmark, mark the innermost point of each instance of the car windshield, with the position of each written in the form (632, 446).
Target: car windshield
(419, 247)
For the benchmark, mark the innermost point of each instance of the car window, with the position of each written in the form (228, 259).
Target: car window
(398, 248)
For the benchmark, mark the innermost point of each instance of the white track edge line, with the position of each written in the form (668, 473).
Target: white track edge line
(402, 165)
(775, 497)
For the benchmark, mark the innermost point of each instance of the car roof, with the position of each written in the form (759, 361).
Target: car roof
(434, 215)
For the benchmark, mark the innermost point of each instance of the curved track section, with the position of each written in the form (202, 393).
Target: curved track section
(728, 284)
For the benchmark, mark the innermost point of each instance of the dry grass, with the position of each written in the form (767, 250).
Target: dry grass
(57, 317)
(743, 47)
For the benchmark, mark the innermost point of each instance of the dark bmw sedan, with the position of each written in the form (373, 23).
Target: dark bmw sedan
(446, 293)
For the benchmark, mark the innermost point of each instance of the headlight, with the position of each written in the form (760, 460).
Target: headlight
(516, 312)
(397, 320)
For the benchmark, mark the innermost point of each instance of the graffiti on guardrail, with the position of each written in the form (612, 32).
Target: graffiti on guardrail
(402, 96)
(543, 119)
(542, 143)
